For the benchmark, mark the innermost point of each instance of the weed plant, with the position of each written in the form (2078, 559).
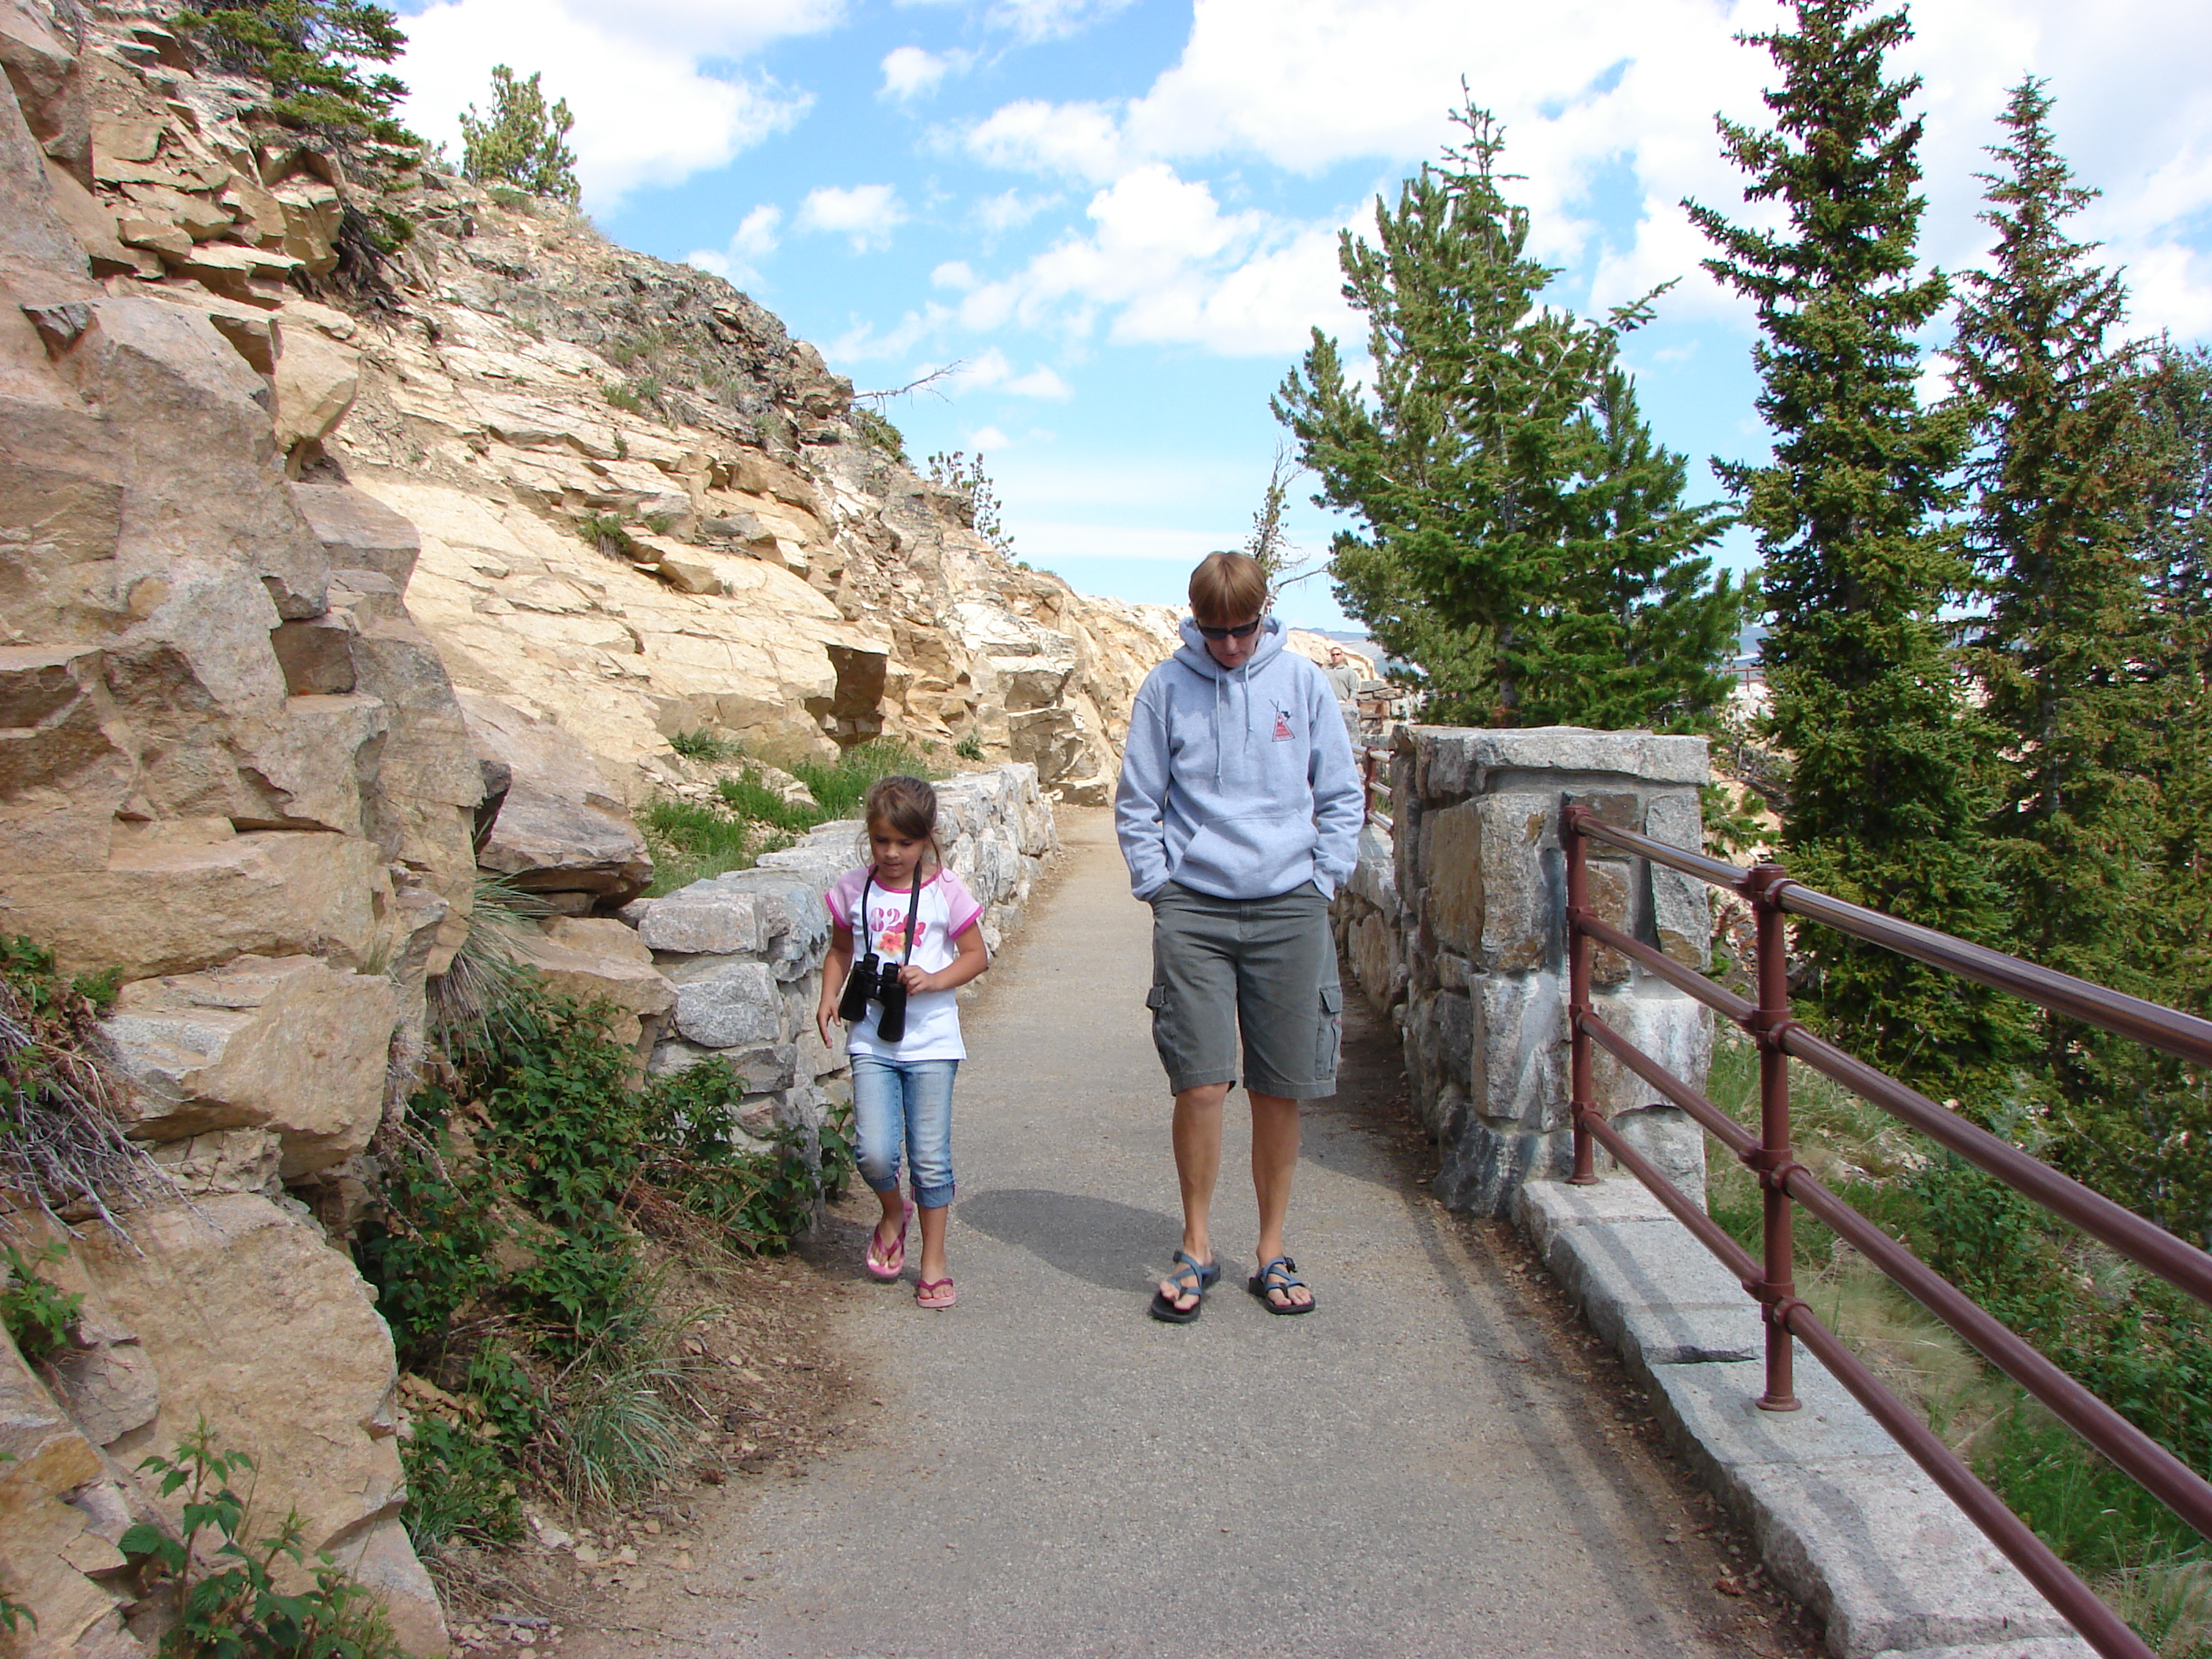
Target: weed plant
(37, 1316)
(228, 1604)
(2143, 1347)
(509, 1263)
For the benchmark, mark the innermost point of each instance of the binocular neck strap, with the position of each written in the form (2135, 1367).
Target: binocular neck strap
(913, 907)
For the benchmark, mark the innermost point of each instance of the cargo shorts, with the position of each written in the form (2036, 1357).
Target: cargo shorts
(1264, 967)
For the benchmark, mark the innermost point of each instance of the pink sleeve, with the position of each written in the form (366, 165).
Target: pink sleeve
(960, 907)
(844, 893)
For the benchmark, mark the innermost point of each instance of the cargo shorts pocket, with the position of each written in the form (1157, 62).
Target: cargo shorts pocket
(1163, 1040)
(1328, 1036)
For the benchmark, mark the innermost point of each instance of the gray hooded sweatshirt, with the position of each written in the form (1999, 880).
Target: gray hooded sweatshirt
(1239, 783)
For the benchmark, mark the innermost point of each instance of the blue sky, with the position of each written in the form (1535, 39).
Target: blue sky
(1121, 217)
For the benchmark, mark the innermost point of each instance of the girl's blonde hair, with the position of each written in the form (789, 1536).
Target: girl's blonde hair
(907, 807)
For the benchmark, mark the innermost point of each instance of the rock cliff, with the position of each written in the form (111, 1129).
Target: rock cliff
(642, 506)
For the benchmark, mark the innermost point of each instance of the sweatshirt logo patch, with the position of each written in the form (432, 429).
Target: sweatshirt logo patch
(1282, 725)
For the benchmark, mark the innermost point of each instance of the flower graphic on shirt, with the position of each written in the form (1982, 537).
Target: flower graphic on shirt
(891, 937)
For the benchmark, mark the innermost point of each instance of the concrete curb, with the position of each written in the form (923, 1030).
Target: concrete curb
(1846, 1522)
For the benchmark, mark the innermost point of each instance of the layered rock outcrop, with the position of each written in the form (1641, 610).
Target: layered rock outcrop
(643, 508)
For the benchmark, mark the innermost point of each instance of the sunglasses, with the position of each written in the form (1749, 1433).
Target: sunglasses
(1244, 633)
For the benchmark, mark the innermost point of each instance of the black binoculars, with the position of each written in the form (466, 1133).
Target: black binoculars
(872, 977)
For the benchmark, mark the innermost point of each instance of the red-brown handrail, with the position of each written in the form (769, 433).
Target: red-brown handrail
(1773, 896)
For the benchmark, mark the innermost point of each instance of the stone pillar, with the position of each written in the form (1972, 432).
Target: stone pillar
(1455, 924)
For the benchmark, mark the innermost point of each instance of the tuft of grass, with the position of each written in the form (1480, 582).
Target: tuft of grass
(608, 532)
(625, 1420)
(839, 786)
(692, 840)
(703, 745)
(489, 968)
(969, 748)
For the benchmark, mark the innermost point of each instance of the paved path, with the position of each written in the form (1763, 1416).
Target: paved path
(1403, 1472)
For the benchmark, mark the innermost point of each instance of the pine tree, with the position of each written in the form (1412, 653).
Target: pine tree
(2141, 1121)
(2060, 481)
(310, 52)
(1889, 792)
(1524, 541)
(520, 142)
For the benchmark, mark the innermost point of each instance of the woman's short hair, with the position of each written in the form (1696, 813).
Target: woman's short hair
(1227, 589)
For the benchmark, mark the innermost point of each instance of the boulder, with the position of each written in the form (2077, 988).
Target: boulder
(317, 380)
(598, 959)
(290, 1045)
(52, 1551)
(257, 1326)
(181, 897)
(562, 829)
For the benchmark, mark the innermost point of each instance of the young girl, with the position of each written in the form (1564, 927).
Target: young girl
(920, 923)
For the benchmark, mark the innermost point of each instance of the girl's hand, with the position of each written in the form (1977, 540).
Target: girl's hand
(914, 980)
(826, 1012)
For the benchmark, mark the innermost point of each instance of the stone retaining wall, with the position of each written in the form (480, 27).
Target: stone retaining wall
(744, 950)
(1455, 923)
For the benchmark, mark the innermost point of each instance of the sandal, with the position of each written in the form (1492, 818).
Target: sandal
(888, 1264)
(1277, 1278)
(1191, 1278)
(935, 1293)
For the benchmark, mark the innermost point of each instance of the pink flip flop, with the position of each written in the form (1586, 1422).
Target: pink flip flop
(887, 1265)
(935, 1293)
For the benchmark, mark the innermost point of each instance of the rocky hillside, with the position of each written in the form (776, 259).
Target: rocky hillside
(643, 508)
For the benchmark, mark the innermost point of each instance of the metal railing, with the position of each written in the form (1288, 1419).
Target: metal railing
(1774, 897)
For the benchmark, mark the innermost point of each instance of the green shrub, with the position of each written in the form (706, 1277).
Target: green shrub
(37, 1316)
(608, 532)
(228, 1604)
(508, 1261)
(969, 748)
(758, 1199)
(750, 798)
(878, 434)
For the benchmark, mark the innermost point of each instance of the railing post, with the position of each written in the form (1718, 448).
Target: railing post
(1778, 1290)
(1582, 1097)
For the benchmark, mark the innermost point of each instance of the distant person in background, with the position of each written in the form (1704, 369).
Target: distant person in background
(1238, 813)
(1344, 679)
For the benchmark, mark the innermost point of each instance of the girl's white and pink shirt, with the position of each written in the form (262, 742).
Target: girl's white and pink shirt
(947, 909)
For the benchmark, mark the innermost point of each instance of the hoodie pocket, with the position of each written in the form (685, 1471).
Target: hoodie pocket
(1254, 856)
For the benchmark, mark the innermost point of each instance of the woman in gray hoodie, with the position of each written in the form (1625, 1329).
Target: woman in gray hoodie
(1238, 814)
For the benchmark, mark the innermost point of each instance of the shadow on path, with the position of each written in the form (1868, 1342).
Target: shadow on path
(1107, 1243)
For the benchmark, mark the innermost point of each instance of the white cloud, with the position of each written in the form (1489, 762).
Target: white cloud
(910, 72)
(1010, 209)
(753, 240)
(1599, 95)
(866, 214)
(1050, 19)
(955, 273)
(657, 86)
(1165, 264)
(861, 343)
(993, 372)
(989, 437)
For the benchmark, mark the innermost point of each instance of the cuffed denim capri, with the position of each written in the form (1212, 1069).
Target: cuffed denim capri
(1266, 967)
(905, 1105)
